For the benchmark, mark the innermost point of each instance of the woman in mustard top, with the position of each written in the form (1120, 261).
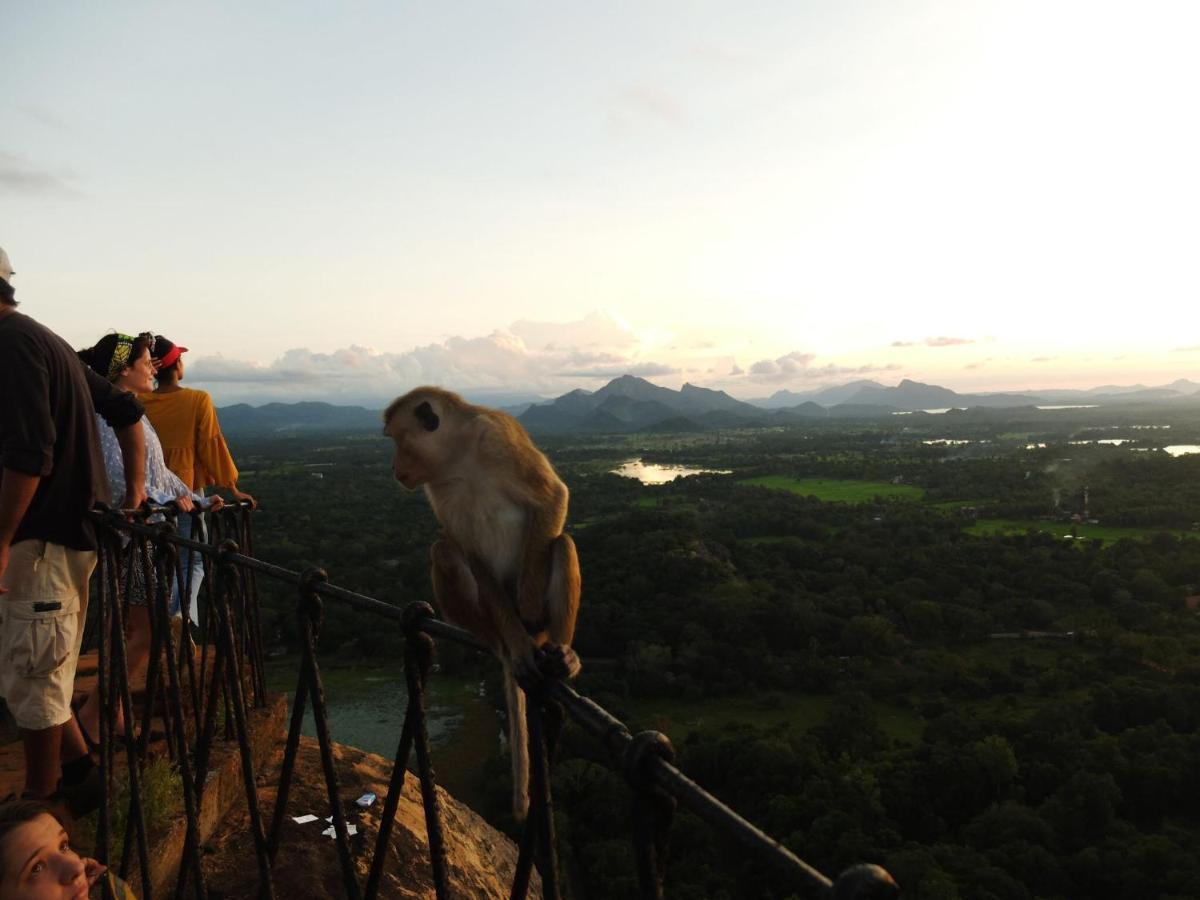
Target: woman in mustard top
(194, 448)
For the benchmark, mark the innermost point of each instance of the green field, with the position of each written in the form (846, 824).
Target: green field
(799, 711)
(987, 527)
(836, 490)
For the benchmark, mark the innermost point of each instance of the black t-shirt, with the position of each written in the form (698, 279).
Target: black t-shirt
(47, 428)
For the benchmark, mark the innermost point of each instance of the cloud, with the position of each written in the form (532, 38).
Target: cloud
(18, 176)
(641, 370)
(904, 343)
(737, 370)
(1043, 359)
(947, 341)
(797, 367)
(501, 362)
(786, 366)
(1194, 349)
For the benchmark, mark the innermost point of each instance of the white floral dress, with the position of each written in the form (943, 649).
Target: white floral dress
(162, 486)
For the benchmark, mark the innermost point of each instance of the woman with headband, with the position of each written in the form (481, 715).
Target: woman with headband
(125, 361)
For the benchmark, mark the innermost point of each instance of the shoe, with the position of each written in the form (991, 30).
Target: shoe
(81, 798)
(93, 746)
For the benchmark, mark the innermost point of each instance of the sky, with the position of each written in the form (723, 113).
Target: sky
(340, 202)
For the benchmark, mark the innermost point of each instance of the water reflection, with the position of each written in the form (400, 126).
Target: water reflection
(654, 473)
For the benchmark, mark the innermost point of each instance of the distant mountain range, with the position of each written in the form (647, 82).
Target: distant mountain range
(629, 404)
(284, 418)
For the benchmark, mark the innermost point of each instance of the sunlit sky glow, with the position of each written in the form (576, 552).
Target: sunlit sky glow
(338, 202)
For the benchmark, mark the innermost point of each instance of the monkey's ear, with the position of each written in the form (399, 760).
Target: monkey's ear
(427, 417)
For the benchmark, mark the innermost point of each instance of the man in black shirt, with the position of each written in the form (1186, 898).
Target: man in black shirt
(50, 465)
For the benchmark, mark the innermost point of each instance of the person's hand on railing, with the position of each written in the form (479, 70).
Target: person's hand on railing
(243, 497)
(213, 503)
(135, 496)
(184, 503)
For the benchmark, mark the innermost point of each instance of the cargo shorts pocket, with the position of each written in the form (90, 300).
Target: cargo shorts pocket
(41, 635)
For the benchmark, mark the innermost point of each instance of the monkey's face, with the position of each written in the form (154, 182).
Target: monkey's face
(415, 429)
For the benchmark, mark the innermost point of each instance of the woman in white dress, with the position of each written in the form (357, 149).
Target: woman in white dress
(125, 361)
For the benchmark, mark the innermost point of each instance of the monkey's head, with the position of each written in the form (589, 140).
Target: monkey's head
(426, 425)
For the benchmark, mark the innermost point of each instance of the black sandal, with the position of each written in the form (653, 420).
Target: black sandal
(92, 746)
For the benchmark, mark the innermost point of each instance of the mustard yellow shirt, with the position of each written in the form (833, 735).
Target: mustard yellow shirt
(193, 446)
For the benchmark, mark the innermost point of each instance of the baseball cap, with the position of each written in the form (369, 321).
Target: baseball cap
(6, 269)
(165, 353)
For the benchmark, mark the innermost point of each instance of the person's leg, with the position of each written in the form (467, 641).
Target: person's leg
(137, 652)
(197, 560)
(40, 636)
(42, 748)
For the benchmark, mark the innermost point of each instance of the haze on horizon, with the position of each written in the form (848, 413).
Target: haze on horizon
(336, 203)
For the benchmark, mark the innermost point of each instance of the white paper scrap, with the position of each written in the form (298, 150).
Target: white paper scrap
(350, 829)
(365, 800)
(303, 820)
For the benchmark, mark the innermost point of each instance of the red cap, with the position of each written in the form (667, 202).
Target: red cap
(165, 353)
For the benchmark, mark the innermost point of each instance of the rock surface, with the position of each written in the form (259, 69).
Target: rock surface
(481, 860)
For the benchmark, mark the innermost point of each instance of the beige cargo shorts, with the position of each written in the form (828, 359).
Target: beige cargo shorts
(41, 628)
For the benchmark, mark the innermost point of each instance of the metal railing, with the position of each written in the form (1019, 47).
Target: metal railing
(229, 676)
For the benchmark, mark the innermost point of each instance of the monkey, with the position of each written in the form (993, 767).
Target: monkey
(503, 569)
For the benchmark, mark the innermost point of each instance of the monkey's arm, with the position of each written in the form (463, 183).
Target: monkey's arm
(469, 597)
(548, 600)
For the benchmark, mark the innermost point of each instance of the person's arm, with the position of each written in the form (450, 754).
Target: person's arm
(16, 493)
(27, 448)
(123, 412)
(132, 439)
(213, 456)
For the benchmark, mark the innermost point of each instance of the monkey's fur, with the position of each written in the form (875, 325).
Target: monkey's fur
(503, 569)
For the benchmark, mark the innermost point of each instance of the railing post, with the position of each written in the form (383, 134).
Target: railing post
(168, 557)
(418, 660)
(653, 810)
(233, 683)
(135, 831)
(544, 722)
(109, 596)
(309, 611)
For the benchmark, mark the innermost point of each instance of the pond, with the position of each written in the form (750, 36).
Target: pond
(654, 473)
(367, 702)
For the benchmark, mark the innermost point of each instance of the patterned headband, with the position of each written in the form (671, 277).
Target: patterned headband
(120, 355)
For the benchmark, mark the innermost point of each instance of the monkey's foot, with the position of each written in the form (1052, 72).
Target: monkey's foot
(549, 661)
(556, 661)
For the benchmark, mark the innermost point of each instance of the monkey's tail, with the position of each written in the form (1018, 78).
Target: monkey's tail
(518, 744)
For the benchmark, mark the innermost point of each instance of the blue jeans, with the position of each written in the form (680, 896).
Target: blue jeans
(192, 562)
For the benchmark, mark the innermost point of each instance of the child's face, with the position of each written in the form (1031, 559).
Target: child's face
(39, 864)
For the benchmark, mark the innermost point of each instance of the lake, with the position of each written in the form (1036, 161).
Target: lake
(367, 702)
(654, 473)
